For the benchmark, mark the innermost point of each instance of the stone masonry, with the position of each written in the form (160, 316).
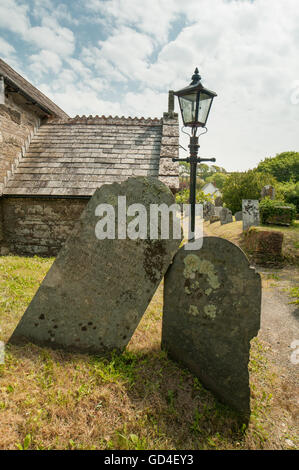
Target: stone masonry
(38, 226)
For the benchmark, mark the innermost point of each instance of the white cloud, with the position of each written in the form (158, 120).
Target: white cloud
(72, 98)
(247, 51)
(49, 36)
(13, 16)
(126, 50)
(44, 62)
(153, 17)
(6, 49)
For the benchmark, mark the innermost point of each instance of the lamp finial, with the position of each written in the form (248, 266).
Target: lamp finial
(195, 77)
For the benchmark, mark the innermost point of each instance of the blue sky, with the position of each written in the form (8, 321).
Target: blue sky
(120, 57)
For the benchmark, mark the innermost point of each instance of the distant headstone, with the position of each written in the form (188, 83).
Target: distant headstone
(250, 213)
(212, 305)
(268, 191)
(225, 216)
(97, 290)
(218, 201)
(218, 209)
(238, 216)
(208, 210)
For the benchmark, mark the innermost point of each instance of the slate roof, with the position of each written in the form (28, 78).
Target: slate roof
(16, 81)
(74, 156)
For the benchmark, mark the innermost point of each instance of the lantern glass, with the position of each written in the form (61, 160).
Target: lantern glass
(188, 108)
(205, 102)
(195, 108)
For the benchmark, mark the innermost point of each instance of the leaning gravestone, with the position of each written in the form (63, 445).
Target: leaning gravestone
(212, 305)
(97, 290)
(250, 213)
(225, 216)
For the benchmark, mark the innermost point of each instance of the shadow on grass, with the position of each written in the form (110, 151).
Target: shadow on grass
(164, 406)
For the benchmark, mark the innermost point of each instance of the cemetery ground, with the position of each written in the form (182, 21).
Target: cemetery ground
(139, 399)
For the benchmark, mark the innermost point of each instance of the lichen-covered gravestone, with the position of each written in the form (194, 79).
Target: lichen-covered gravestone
(212, 304)
(250, 213)
(97, 290)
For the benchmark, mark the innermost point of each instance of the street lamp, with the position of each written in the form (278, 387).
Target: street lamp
(195, 103)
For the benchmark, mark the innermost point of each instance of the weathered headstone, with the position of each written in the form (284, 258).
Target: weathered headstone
(208, 210)
(250, 213)
(97, 290)
(268, 191)
(238, 216)
(225, 216)
(218, 210)
(212, 304)
(218, 201)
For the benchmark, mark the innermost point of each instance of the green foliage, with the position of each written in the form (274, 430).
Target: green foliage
(218, 179)
(205, 171)
(283, 167)
(246, 185)
(289, 192)
(270, 209)
(182, 197)
(294, 293)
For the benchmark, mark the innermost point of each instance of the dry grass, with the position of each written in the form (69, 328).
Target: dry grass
(137, 400)
(233, 232)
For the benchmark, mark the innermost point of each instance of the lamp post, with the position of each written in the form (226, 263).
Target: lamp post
(195, 103)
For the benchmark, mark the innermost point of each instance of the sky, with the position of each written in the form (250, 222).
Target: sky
(120, 57)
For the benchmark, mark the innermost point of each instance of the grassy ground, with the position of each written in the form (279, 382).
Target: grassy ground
(233, 232)
(137, 400)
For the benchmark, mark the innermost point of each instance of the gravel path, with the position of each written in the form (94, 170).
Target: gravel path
(280, 319)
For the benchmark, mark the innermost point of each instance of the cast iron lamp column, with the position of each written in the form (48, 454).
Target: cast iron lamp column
(195, 104)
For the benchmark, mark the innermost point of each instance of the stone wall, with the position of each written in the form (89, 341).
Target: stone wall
(169, 170)
(18, 123)
(38, 226)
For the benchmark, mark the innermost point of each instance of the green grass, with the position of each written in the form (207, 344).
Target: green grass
(294, 293)
(136, 400)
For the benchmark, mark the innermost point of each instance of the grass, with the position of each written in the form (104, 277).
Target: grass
(233, 232)
(294, 293)
(137, 400)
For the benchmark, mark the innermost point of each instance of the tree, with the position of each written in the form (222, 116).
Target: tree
(246, 185)
(283, 167)
(218, 179)
(288, 192)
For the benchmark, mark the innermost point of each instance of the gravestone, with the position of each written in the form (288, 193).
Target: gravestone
(218, 209)
(208, 210)
(212, 304)
(218, 201)
(97, 290)
(225, 216)
(238, 216)
(250, 213)
(268, 191)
